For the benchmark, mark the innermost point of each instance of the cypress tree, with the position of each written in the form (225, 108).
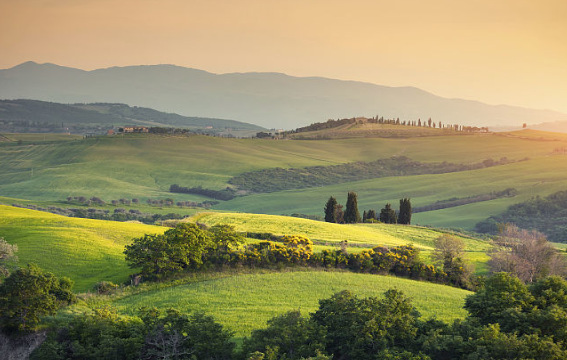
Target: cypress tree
(405, 211)
(388, 215)
(330, 210)
(352, 215)
(371, 215)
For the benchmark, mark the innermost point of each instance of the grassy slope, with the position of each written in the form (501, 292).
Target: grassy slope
(541, 176)
(245, 302)
(87, 251)
(145, 166)
(366, 234)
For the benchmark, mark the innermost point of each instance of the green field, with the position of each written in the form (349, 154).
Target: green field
(246, 301)
(87, 251)
(50, 168)
(358, 235)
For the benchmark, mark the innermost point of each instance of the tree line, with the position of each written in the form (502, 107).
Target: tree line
(334, 212)
(225, 195)
(278, 179)
(506, 320)
(331, 123)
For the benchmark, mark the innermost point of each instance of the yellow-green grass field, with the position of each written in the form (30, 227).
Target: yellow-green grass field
(244, 302)
(367, 235)
(87, 251)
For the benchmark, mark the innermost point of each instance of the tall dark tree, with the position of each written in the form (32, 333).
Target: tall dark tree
(339, 214)
(388, 215)
(371, 214)
(352, 215)
(404, 216)
(330, 210)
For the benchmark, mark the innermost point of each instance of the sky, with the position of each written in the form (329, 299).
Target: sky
(496, 51)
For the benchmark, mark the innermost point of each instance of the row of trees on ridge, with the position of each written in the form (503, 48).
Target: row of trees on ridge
(334, 212)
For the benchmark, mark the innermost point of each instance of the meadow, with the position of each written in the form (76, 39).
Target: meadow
(87, 251)
(244, 302)
(144, 166)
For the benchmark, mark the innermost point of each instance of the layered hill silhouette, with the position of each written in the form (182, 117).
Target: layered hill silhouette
(271, 100)
(43, 116)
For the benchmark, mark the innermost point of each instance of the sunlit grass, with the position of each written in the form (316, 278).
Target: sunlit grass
(87, 251)
(246, 301)
(365, 235)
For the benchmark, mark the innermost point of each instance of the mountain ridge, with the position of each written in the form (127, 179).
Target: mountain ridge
(268, 99)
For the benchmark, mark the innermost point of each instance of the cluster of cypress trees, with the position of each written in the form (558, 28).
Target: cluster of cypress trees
(334, 212)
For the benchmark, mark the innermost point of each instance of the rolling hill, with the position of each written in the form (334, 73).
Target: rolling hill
(87, 251)
(41, 116)
(51, 168)
(244, 302)
(271, 100)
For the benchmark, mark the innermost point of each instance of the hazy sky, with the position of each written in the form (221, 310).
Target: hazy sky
(496, 51)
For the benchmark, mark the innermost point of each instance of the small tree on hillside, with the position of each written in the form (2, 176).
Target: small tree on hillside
(404, 216)
(449, 253)
(526, 254)
(177, 249)
(388, 215)
(30, 293)
(352, 215)
(330, 210)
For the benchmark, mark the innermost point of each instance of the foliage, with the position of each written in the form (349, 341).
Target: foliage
(388, 215)
(29, 293)
(177, 249)
(547, 215)
(526, 254)
(278, 179)
(100, 335)
(449, 254)
(106, 335)
(330, 208)
(105, 287)
(540, 309)
(287, 336)
(226, 194)
(352, 216)
(503, 300)
(8, 257)
(178, 336)
(359, 328)
(456, 201)
(404, 216)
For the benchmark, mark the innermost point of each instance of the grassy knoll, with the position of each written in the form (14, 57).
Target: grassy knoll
(87, 251)
(245, 302)
(357, 234)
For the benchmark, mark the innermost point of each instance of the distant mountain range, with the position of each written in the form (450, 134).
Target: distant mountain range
(42, 116)
(272, 100)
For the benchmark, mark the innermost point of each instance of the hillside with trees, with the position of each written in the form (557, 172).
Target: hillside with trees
(547, 215)
(22, 116)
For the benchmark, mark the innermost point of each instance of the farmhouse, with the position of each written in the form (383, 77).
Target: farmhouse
(133, 129)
